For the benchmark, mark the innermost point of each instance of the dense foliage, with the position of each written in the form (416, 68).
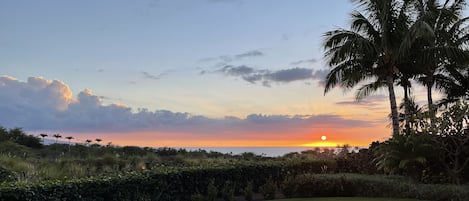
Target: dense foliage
(332, 185)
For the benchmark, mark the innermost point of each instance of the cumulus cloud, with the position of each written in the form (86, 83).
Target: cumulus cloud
(266, 77)
(39, 104)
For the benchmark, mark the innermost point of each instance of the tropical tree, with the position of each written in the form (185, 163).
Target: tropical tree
(380, 35)
(57, 136)
(98, 140)
(455, 85)
(88, 141)
(405, 154)
(452, 140)
(446, 51)
(69, 138)
(43, 135)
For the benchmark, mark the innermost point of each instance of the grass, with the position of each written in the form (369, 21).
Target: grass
(347, 199)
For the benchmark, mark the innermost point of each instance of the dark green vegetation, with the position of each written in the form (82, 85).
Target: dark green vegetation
(346, 199)
(96, 172)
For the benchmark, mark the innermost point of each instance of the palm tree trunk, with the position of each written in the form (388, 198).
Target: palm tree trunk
(407, 109)
(392, 101)
(431, 107)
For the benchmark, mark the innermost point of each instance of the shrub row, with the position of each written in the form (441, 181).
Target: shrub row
(163, 184)
(329, 185)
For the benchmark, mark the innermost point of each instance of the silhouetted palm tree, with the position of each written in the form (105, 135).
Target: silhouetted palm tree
(57, 136)
(88, 141)
(446, 51)
(373, 49)
(43, 135)
(69, 138)
(98, 140)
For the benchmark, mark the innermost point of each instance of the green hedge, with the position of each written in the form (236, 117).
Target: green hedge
(330, 185)
(164, 184)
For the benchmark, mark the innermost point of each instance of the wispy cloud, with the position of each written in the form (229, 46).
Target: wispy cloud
(370, 101)
(236, 57)
(307, 61)
(267, 77)
(149, 76)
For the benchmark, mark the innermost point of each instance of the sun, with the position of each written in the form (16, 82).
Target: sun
(323, 138)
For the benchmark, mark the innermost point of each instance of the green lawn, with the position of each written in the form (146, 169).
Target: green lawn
(346, 199)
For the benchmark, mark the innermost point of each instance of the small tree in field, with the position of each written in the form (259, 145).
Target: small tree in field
(57, 136)
(43, 135)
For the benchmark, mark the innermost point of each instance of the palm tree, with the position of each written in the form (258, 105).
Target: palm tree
(43, 135)
(57, 136)
(69, 138)
(456, 85)
(98, 140)
(88, 141)
(379, 36)
(446, 50)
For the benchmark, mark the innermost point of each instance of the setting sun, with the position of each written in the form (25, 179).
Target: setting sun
(323, 138)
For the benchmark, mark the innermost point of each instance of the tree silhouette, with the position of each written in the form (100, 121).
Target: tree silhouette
(43, 135)
(440, 57)
(69, 138)
(98, 140)
(370, 50)
(88, 141)
(57, 136)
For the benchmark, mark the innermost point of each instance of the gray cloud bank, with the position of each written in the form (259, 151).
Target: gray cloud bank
(266, 77)
(39, 104)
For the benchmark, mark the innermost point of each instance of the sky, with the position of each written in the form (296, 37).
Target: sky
(180, 73)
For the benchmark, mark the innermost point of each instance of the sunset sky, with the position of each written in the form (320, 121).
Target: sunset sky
(180, 73)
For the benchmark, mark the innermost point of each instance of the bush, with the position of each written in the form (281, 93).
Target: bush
(269, 189)
(312, 185)
(248, 191)
(7, 175)
(212, 191)
(227, 192)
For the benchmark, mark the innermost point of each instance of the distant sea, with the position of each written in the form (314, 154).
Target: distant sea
(265, 151)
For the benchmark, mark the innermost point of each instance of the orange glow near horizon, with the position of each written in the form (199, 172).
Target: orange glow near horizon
(360, 137)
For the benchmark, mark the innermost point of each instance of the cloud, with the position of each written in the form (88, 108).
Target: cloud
(149, 76)
(252, 53)
(236, 57)
(303, 61)
(267, 77)
(48, 105)
(369, 101)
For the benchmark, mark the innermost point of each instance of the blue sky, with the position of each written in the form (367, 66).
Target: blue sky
(208, 58)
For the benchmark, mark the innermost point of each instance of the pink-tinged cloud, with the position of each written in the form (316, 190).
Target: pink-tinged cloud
(48, 105)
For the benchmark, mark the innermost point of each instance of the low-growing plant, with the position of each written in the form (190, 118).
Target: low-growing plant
(197, 197)
(212, 191)
(227, 192)
(269, 189)
(248, 191)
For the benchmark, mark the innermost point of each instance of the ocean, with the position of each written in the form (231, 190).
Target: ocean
(265, 151)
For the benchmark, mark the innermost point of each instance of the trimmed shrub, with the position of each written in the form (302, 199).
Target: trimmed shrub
(331, 185)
